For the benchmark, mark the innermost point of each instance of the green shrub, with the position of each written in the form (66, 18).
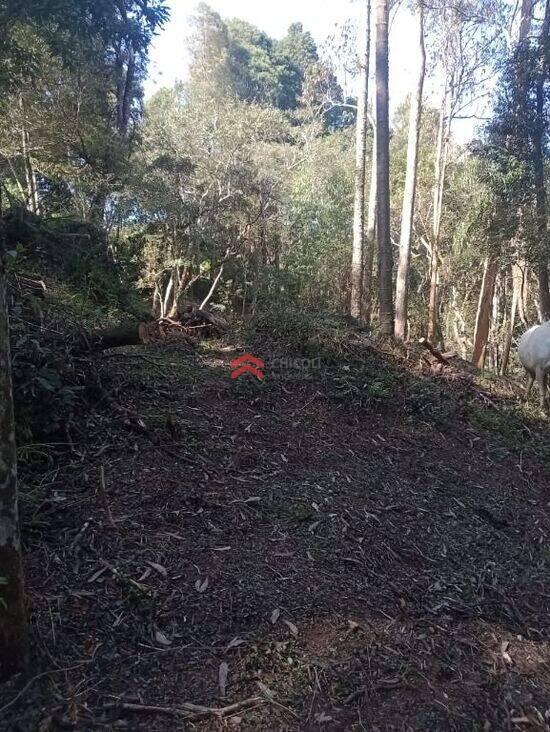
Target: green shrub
(301, 331)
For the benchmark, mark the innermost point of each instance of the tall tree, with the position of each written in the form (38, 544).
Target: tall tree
(370, 239)
(539, 135)
(13, 622)
(407, 215)
(440, 170)
(358, 248)
(483, 316)
(383, 235)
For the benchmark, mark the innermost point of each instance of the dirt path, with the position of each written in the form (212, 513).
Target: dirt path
(342, 562)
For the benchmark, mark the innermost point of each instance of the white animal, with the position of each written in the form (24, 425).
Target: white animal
(534, 354)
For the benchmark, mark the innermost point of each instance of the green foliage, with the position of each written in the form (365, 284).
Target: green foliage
(300, 331)
(84, 289)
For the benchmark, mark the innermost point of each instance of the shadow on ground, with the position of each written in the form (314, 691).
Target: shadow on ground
(352, 550)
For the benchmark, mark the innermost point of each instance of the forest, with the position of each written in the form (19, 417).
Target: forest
(353, 535)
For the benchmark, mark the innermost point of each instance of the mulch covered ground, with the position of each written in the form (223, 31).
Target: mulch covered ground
(335, 552)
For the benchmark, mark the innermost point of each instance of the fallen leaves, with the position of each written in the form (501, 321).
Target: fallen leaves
(161, 639)
(202, 585)
(158, 568)
(293, 629)
(234, 643)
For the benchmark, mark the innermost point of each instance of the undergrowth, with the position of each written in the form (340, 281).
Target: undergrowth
(290, 330)
(62, 284)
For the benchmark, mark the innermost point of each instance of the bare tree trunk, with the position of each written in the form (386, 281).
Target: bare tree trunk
(440, 166)
(126, 71)
(157, 302)
(538, 166)
(494, 325)
(370, 241)
(458, 320)
(206, 300)
(511, 328)
(432, 302)
(415, 115)
(518, 278)
(383, 234)
(30, 175)
(360, 175)
(483, 318)
(526, 17)
(13, 621)
(128, 90)
(165, 303)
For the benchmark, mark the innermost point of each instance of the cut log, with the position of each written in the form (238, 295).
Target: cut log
(136, 334)
(130, 334)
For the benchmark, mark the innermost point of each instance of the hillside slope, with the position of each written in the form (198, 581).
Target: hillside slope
(357, 544)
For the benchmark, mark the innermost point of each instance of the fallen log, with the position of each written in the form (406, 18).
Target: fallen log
(129, 334)
(136, 334)
(433, 350)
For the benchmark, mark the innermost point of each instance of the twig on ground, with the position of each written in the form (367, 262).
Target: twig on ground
(102, 492)
(190, 711)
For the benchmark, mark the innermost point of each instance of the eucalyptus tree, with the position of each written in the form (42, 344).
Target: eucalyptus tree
(407, 215)
(383, 233)
(358, 248)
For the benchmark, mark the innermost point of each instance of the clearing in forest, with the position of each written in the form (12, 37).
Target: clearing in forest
(364, 548)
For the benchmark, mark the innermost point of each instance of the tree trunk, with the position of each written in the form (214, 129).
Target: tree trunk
(432, 302)
(370, 241)
(511, 328)
(415, 114)
(518, 277)
(526, 17)
(165, 301)
(385, 257)
(440, 167)
(30, 175)
(360, 175)
(128, 90)
(13, 621)
(156, 307)
(483, 318)
(538, 167)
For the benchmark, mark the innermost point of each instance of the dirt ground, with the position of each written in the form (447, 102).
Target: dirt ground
(330, 549)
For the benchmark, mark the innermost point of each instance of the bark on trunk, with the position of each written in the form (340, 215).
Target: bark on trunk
(358, 254)
(13, 622)
(511, 328)
(128, 90)
(370, 242)
(483, 318)
(518, 276)
(526, 16)
(128, 334)
(538, 165)
(432, 302)
(440, 167)
(415, 115)
(385, 257)
(30, 176)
